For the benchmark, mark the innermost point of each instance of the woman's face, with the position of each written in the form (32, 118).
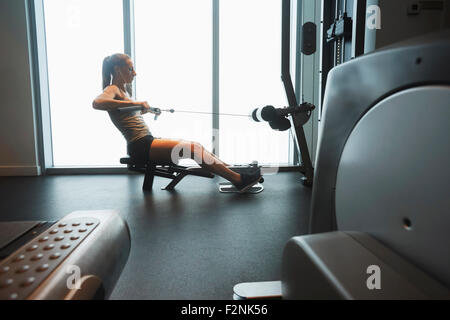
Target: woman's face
(126, 72)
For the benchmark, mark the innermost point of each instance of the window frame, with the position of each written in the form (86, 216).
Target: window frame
(38, 48)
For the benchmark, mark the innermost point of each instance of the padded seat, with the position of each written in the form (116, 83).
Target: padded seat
(166, 170)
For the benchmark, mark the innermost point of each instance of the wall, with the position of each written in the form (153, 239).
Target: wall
(397, 25)
(18, 139)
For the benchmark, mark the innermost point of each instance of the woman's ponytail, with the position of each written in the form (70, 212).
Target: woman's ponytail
(106, 72)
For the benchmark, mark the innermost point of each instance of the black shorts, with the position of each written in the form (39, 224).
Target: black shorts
(139, 150)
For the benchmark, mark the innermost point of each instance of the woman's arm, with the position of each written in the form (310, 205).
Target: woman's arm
(107, 102)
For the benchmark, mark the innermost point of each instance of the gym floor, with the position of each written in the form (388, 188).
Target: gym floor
(194, 243)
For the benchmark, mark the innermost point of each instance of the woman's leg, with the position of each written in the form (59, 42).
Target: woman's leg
(167, 150)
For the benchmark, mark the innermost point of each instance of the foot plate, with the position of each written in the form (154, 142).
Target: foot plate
(229, 188)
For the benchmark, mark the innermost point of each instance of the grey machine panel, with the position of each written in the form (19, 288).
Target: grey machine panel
(393, 180)
(353, 89)
(12, 230)
(338, 265)
(79, 257)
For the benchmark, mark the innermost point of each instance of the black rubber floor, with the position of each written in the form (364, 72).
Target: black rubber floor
(195, 243)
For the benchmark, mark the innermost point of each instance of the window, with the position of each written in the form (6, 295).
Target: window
(250, 78)
(80, 34)
(173, 54)
(174, 66)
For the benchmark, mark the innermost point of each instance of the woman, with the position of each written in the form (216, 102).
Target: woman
(118, 74)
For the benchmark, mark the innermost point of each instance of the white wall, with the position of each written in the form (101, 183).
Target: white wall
(18, 148)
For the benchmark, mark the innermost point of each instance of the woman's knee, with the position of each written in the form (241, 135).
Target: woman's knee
(196, 148)
(188, 149)
(196, 152)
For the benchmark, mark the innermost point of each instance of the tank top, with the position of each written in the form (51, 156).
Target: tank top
(130, 124)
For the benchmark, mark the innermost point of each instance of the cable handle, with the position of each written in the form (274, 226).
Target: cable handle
(129, 109)
(156, 111)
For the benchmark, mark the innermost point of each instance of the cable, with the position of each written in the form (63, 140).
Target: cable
(158, 111)
(207, 113)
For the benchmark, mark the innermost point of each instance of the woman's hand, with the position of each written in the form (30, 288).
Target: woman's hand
(145, 107)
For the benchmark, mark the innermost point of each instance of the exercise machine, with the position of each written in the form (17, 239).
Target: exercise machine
(79, 257)
(294, 117)
(380, 206)
(382, 180)
(169, 170)
(175, 172)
